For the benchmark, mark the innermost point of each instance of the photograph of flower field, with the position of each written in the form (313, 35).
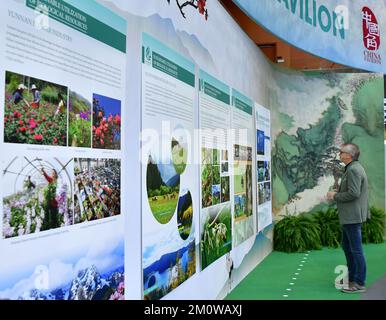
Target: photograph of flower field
(163, 186)
(97, 189)
(38, 196)
(106, 123)
(79, 127)
(185, 214)
(216, 234)
(35, 111)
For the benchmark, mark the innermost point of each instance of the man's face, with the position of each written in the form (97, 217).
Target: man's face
(345, 157)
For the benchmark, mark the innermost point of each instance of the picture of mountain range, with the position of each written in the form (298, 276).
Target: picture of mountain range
(89, 284)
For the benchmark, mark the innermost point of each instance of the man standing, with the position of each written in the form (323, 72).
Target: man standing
(353, 210)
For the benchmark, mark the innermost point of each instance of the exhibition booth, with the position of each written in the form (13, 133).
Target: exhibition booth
(148, 147)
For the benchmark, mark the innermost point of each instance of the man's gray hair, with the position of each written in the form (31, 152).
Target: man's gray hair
(352, 149)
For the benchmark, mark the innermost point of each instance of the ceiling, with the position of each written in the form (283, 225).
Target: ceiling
(275, 49)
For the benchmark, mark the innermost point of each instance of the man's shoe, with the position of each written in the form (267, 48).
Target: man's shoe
(355, 289)
(360, 287)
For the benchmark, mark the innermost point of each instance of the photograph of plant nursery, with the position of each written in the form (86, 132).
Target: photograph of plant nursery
(97, 187)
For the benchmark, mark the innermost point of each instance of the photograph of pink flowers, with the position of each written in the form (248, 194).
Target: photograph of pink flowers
(79, 127)
(106, 123)
(35, 111)
(97, 189)
(38, 196)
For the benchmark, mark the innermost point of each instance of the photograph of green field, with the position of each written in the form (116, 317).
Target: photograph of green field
(216, 234)
(185, 214)
(163, 185)
(179, 156)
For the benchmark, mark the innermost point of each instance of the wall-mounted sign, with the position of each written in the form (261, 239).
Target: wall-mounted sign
(346, 32)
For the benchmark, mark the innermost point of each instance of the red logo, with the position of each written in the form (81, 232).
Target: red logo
(371, 32)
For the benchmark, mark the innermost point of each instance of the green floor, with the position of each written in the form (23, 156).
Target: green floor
(272, 278)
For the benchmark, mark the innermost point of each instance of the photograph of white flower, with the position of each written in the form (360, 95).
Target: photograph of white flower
(38, 195)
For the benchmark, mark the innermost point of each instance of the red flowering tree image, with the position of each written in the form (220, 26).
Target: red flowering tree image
(200, 5)
(35, 111)
(106, 123)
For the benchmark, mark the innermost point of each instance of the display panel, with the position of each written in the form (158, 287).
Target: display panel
(263, 167)
(168, 176)
(215, 216)
(61, 160)
(243, 207)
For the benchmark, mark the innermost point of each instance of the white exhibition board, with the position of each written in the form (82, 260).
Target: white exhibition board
(243, 212)
(263, 167)
(169, 187)
(61, 133)
(215, 171)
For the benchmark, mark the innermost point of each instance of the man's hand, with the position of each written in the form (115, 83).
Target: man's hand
(330, 195)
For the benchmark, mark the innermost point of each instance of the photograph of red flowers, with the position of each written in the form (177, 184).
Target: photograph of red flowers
(35, 111)
(39, 195)
(106, 123)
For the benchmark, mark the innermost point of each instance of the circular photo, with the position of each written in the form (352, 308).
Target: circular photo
(179, 148)
(185, 214)
(163, 186)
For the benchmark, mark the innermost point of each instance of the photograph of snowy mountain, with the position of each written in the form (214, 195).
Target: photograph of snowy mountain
(96, 275)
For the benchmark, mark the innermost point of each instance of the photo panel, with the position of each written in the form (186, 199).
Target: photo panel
(216, 233)
(163, 186)
(260, 142)
(38, 195)
(97, 189)
(79, 120)
(106, 126)
(35, 111)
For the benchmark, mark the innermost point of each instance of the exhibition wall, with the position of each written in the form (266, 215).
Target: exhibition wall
(110, 191)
